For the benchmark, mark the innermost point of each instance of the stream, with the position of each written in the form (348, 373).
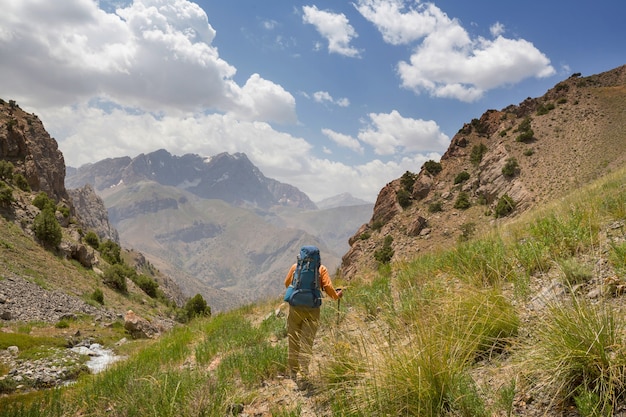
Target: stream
(99, 357)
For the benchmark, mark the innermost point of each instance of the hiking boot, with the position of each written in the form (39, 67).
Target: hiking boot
(302, 381)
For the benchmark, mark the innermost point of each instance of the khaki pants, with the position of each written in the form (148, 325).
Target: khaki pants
(302, 324)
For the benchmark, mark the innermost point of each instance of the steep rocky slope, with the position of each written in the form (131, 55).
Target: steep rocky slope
(27, 145)
(69, 265)
(531, 153)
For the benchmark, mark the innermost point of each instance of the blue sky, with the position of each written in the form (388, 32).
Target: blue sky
(329, 96)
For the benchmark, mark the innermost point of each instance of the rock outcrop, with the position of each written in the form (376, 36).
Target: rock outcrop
(27, 145)
(92, 213)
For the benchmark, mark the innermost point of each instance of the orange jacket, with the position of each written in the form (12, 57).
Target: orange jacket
(326, 284)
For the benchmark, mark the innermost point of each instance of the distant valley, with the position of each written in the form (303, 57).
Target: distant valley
(217, 226)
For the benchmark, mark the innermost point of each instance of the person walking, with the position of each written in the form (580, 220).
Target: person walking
(305, 281)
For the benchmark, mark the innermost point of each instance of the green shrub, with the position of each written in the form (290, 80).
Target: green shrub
(377, 225)
(115, 277)
(21, 182)
(98, 296)
(545, 108)
(147, 284)
(505, 206)
(41, 201)
(525, 130)
(6, 194)
(197, 306)
(435, 207)
(526, 136)
(479, 127)
(461, 177)
(408, 180)
(6, 170)
(91, 238)
(384, 255)
(111, 252)
(510, 168)
(477, 153)
(432, 167)
(462, 201)
(64, 210)
(47, 228)
(404, 198)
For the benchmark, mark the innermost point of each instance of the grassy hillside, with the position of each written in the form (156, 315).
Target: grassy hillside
(525, 320)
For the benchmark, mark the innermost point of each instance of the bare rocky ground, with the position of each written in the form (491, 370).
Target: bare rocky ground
(22, 301)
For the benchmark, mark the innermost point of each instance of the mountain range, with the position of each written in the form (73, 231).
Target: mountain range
(217, 225)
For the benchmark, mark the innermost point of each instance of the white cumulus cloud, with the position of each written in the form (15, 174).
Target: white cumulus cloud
(342, 140)
(334, 27)
(325, 97)
(447, 62)
(390, 133)
(156, 55)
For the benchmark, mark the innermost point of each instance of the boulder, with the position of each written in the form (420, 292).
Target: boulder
(138, 327)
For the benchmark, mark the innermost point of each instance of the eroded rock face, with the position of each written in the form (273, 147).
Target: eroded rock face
(25, 143)
(386, 206)
(92, 213)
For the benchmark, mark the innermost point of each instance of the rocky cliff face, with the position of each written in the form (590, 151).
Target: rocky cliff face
(526, 154)
(25, 143)
(231, 178)
(92, 213)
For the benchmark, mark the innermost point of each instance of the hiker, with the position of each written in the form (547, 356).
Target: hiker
(305, 281)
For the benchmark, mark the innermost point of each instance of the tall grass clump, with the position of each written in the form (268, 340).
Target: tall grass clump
(226, 332)
(580, 355)
(482, 262)
(239, 350)
(567, 234)
(373, 297)
(614, 202)
(574, 273)
(425, 369)
(617, 256)
(418, 285)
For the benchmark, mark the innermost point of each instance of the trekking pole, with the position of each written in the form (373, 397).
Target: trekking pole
(338, 307)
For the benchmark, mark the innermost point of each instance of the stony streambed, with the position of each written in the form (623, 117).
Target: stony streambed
(55, 367)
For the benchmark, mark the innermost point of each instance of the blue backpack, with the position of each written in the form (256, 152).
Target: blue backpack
(305, 285)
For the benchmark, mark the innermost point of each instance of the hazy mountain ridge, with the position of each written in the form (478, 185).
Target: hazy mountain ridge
(341, 200)
(231, 178)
